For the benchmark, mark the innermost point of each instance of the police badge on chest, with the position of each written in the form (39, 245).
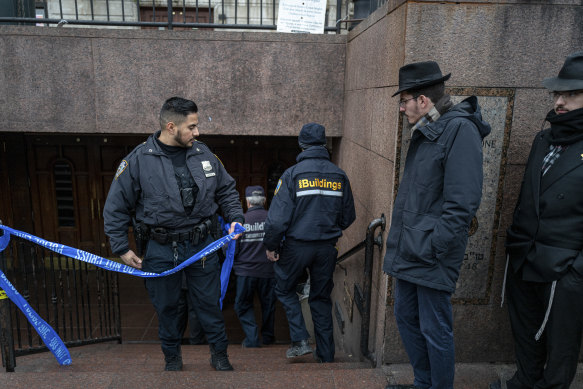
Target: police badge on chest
(208, 169)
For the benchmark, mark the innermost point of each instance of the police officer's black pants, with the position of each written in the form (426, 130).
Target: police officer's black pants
(550, 362)
(320, 258)
(246, 287)
(203, 282)
(187, 314)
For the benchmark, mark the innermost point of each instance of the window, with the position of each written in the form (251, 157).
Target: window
(41, 12)
(179, 15)
(63, 176)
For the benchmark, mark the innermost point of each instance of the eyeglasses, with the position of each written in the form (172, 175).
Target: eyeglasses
(403, 102)
(568, 95)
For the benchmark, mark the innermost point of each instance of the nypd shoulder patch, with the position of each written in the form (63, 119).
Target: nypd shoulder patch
(277, 187)
(122, 166)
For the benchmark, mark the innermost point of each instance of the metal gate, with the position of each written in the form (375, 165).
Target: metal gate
(79, 300)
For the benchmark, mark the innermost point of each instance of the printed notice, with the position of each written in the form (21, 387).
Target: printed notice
(301, 16)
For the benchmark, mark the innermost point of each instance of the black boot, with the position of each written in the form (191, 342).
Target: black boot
(173, 363)
(220, 360)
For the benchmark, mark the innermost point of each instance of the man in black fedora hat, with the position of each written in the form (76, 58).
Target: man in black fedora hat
(439, 194)
(544, 244)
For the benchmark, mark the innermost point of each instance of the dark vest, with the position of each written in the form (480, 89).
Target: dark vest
(250, 259)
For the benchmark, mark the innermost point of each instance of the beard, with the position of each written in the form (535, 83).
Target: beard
(181, 143)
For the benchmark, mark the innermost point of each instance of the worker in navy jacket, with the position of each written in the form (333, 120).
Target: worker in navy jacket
(312, 204)
(254, 273)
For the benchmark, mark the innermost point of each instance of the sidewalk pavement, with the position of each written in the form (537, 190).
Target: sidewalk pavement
(469, 375)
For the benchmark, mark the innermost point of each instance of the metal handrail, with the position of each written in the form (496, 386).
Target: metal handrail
(169, 25)
(351, 252)
(363, 298)
(378, 241)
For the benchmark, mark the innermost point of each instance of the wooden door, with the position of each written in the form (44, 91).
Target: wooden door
(69, 180)
(254, 160)
(70, 176)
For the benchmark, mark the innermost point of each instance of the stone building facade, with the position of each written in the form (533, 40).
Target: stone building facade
(64, 88)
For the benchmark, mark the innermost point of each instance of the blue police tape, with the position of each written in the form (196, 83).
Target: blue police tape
(227, 266)
(45, 331)
(118, 267)
(48, 334)
(4, 240)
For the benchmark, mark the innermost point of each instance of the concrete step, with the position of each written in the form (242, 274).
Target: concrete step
(125, 366)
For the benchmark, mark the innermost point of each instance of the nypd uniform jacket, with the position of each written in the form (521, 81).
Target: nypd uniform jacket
(145, 182)
(312, 202)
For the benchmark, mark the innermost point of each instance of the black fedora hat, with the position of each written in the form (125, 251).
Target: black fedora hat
(570, 77)
(420, 74)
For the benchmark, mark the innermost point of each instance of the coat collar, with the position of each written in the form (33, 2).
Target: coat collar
(314, 152)
(254, 208)
(153, 148)
(570, 159)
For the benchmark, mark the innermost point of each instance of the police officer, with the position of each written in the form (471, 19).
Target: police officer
(254, 273)
(312, 204)
(173, 185)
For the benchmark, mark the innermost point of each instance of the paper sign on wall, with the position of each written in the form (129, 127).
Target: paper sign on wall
(301, 16)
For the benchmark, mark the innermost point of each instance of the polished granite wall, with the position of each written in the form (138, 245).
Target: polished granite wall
(77, 80)
(497, 50)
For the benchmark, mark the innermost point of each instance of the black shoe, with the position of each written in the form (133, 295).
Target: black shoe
(299, 348)
(220, 360)
(173, 363)
(319, 359)
(400, 386)
(267, 341)
(495, 385)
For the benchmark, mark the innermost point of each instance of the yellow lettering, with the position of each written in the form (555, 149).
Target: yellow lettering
(319, 183)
